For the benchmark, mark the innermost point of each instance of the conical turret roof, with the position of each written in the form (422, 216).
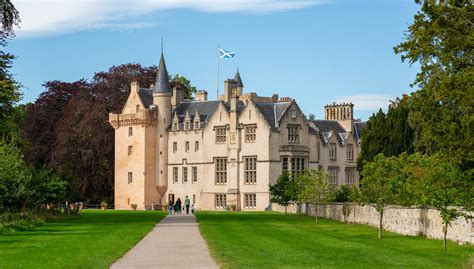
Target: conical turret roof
(162, 83)
(238, 80)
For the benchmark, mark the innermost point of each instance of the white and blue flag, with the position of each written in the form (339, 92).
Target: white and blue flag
(226, 54)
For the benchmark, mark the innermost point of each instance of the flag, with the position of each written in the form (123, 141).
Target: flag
(226, 54)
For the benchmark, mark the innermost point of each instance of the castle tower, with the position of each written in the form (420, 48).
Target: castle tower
(162, 99)
(343, 113)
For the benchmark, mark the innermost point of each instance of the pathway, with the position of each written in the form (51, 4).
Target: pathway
(174, 243)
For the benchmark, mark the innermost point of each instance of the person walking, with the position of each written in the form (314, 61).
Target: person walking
(192, 209)
(177, 208)
(187, 203)
(170, 207)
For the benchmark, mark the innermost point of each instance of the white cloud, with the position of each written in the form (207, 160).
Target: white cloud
(367, 101)
(44, 17)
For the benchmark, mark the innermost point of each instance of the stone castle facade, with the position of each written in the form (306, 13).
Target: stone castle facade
(223, 153)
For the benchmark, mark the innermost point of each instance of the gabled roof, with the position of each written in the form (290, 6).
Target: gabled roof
(146, 95)
(272, 112)
(328, 125)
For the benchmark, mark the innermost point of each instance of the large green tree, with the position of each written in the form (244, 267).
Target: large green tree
(283, 192)
(442, 111)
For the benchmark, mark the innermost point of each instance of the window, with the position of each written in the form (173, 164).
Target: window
(221, 135)
(194, 199)
(130, 131)
(221, 170)
(250, 133)
(175, 146)
(293, 136)
(185, 175)
(175, 174)
(186, 125)
(284, 164)
(137, 108)
(332, 175)
(197, 125)
(175, 126)
(130, 150)
(250, 200)
(350, 152)
(196, 146)
(250, 170)
(186, 146)
(297, 165)
(221, 200)
(350, 175)
(195, 174)
(332, 151)
(130, 177)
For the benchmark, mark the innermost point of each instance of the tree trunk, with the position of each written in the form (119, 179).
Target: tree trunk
(380, 224)
(316, 212)
(445, 232)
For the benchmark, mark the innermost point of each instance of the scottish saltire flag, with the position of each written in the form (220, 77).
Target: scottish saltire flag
(226, 54)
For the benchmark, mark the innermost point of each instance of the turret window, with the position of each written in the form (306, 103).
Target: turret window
(130, 150)
(130, 177)
(175, 146)
(130, 131)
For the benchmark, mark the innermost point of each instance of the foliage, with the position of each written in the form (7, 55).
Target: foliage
(442, 110)
(66, 243)
(343, 193)
(15, 178)
(47, 188)
(275, 240)
(283, 192)
(378, 184)
(389, 133)
(445, 187)
(312, 187)
(9, 17)
(180, 82)
(66, 129)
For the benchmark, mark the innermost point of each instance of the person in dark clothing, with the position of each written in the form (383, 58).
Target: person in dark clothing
(170, 207)
(178, 206)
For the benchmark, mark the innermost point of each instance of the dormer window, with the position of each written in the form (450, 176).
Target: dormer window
(175, 126)
(197, 125)
(186, 125)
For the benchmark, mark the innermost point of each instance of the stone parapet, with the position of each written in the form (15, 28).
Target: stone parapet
(144, 117)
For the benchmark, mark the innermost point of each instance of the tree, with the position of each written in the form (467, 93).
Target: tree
(445, 187)
(15, 177)
(377, 185)
(46, 188)
(183, 84)
(442, 110)
(283, 191)
(313, 187)
(312, 117)
(389, 133)
(10, 17)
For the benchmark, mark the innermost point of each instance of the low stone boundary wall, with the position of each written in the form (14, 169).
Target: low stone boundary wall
(401, 220)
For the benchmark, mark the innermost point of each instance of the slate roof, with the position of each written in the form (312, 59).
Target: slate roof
(146, 95)
(238, 80)
(162, 83)
(205, 109)
(358, 126)
(272, 112)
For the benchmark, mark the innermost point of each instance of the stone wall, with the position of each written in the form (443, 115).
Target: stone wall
(406, 221)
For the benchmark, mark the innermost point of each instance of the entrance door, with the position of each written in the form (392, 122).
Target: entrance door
(171, 197)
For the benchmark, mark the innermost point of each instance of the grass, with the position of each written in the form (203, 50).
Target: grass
(94, 239)
(275, 240)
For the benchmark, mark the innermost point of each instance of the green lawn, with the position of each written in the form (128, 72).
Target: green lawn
(95, 239)
(275, 240)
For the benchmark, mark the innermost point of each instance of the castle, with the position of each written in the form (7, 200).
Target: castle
(223, 153)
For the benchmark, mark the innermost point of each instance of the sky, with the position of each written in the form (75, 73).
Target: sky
(315, 51)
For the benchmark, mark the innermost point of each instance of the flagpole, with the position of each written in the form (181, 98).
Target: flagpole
(218, 68)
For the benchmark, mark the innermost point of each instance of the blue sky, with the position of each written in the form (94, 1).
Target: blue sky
(314, 51)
